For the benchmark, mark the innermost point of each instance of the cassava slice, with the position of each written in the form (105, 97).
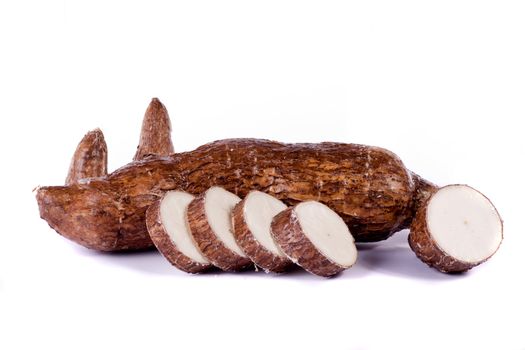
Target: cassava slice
(209, 220)
(167, 227)
(315, 237)
(251, 219)
(456, 229)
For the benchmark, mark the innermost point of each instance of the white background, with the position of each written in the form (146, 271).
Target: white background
(441, 83)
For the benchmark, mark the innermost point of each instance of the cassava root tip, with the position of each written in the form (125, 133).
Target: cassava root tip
(456, 229)
(90, 158)
(155, 136)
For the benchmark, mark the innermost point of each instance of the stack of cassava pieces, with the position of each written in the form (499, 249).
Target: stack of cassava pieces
(302, 203)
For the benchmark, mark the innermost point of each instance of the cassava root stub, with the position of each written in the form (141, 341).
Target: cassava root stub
(168, 229)
(209, 221)
(251, 220)
(315, 237)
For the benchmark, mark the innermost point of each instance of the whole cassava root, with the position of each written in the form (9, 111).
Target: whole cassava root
(369, 187)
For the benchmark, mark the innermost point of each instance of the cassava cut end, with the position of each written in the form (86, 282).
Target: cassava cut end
(209, 220)
(315, 237)
(251, 219)
(166, 222)
(456, 229)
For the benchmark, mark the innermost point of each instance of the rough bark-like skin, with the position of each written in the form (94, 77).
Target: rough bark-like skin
(155, 136)
(91, 217)
(90, 158)
(261, 256)
(427, 250)
(368, 186)
(288, 234)
(165, 245)
(208, 243)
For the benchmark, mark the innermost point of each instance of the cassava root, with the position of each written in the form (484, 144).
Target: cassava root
(369, 187)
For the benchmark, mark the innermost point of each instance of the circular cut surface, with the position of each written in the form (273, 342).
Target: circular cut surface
(218, 206)
(258, 211)
(173, 217)
(464, 223)
(328, 232)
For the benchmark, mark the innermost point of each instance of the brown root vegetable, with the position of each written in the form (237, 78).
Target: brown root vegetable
(251, 219)
(209, 221)
(168, 229)
(155, 137)
(315, 237)
(456, 229)
(90, 158)
(369, 187)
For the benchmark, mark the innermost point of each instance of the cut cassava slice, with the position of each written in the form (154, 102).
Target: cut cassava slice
(167, 227)
(209, 220)
(251, 219)
(456, 229)
(315, 237)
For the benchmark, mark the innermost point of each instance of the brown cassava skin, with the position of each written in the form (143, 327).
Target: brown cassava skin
(426, 248)
(90, 158)
(208, 243)
(368, 186)
(288, 234)
(155, 135)
(261, 256)
(165, 245)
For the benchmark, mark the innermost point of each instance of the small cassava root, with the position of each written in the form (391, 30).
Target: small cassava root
(369, 187)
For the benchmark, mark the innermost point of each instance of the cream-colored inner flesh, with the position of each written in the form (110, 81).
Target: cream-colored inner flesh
(327, 232)
(258, 211)
(218, 206)
(173, 217)
(464, 223)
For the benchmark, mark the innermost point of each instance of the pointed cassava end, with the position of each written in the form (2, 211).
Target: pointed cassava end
(155, 136)
(251, 219)
(209, 220)
(92, 218)
(167, 227)
(90, 158)
(315, 238)
(456, 229)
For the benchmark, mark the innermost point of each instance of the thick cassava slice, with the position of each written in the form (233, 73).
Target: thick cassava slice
(456, 229)
(315, 237)
(251, 219)
(168, 229)
(209, 220)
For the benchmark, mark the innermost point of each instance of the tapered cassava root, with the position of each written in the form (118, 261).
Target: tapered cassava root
(155, 136)
(90, 158)
(368, 187)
